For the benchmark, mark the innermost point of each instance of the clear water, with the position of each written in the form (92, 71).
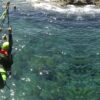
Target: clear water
(57, 56)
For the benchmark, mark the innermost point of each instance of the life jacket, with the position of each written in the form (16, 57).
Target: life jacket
(4, 52)
(3, 56)
(5, 59)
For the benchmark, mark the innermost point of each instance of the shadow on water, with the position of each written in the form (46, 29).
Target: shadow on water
(57, 57)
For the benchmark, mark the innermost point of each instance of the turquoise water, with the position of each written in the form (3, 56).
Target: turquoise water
(55, 57)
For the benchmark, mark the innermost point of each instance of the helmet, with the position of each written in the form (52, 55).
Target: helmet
(5, 46)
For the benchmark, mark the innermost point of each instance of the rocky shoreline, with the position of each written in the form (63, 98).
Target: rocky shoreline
(97, 3)
(64, 3)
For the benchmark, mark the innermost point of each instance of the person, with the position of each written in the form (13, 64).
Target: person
(6, 47)
(15, 7)
(6, 57)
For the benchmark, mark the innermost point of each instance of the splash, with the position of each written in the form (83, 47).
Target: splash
(69, 9)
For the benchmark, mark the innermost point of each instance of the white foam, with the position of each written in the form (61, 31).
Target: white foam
(69, 9)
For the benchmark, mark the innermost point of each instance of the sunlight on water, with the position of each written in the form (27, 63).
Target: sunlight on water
(57, 58)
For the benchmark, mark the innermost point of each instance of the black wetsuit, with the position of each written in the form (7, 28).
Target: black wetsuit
(6, 61)
(9, 61)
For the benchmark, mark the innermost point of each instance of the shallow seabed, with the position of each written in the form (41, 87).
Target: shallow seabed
(56, 55)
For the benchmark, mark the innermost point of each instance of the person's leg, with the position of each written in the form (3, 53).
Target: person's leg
(2, 83)
(3, 77)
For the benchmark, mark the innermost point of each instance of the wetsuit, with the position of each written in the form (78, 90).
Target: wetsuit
(6, 61)
(9, 60)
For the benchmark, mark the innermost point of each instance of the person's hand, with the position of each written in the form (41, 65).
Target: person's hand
(10, 29)
(4, 37)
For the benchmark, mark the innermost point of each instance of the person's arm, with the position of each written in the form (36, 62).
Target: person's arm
(10, 39)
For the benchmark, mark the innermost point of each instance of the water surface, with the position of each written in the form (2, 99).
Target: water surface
(56, 56)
